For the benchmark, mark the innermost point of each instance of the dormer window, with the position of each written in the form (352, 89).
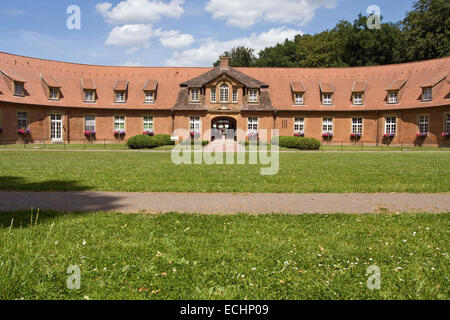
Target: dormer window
(89, 95)
(298, 98)
(120, 97)
(53, 94)
(19, 89)
(149, 97)
(195, 95)
(393, 97)
(253, 96)
(327, 98)
(427, 94)
(358, 98)
(224, 93)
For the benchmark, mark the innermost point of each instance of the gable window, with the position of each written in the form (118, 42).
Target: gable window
(327, 98)
(391, 125)
(119, 123)
(224, 92)
(253, 96)
(53, 94)
(393, 97)
(148, 123)
(89, 123)
(299, 125)
(89, 95)
(423, 124)
(298, 98)
(427, 94)
(357, 125)
(252, 124)
(18, 89)
(358, 98)
(213, 95)
(120, 96)
(195, 95)
(149, 97)
(327, 125)
(235, 95)
(22, 120)
(194, 124)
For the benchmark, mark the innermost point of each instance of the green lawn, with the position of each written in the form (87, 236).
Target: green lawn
(155, 172)
(224, 257)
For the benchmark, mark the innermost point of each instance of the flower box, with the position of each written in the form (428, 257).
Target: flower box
(422, 134)
(299, 134)
(327, 135)
(443, 135)
(148, 133)
(119, 133)
(24, 132)
(355, 135)
(389, 135)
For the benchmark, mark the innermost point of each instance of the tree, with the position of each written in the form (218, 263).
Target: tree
(239, 57)
(427, 30)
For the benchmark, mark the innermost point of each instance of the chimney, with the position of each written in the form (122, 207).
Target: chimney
(224, 63)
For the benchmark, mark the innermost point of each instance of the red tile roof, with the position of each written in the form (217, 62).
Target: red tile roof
(88, 84)
(359, 86)
(326, 87)
(121, 85)
(298, 86)
(150, 85)
(434, 80)
(51, 81)
(396, 84)
(11, 74)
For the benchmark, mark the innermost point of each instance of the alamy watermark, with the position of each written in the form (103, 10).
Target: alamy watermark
(73, 22)
(74, 280)
(374, 20)
(374, 280)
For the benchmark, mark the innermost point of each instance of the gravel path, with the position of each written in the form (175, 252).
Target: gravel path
(224, 203)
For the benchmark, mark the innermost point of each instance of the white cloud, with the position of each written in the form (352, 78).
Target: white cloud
(173, 38)
(210, 50)
(139, 11)
(246, 13)
(134, 36)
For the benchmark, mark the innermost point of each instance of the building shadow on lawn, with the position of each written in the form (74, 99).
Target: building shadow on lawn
(19, 198)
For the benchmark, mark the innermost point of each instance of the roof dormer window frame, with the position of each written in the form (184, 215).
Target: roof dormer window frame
(427, 94)
(90, 96)
(121, 96)
(21, 86)
(253, 95)
(149, 96)
(392, 97)
(51, 94)
(194, 95)
(358, 98)
(327, 99)
(299, 98)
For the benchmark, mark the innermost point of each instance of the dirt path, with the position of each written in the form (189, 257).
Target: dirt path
(224, 203)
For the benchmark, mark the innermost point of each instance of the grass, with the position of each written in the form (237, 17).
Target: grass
(177, 256)
(154, 172)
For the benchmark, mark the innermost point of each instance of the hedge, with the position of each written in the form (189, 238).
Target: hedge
(298, 143)
(148, 142)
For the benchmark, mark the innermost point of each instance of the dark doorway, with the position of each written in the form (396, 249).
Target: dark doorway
(223, 128)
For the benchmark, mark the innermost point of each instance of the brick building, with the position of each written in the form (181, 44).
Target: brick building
(56, 101)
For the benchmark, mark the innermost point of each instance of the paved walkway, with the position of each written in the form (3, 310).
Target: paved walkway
(224, 203)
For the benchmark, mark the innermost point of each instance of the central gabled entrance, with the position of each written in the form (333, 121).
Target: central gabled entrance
(223, 128)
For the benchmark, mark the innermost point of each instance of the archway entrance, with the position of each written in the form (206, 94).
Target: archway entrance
(223, 128)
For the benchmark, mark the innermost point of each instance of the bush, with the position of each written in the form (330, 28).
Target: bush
(163, 140)
(141, 142)
(299, 143)
(191, 142)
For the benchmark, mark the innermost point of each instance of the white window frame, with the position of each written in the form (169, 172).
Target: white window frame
(423, 123)
(235, 96)
(253, 96)
(121, 97)
(224, 93)
(298, 99)
(357, 125)
(89, 95)
(427, 94)
(195, 124)
(252, 124)
(18, 85)
(53, 93)
(56, 127)
(327, 99)
(393, 97)
(390, 125)
(148, 123)
(357, 98)
(195, 95)
(149, 97)
(119, 123)
(22, 118)
(89, 122)
(213, 95)
(299, 125)
(327, 125)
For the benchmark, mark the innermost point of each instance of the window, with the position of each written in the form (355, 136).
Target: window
(224, 91)
(393, 97)
(53, 94)
(89, 123)
(56, 127)
(235, 95)
(120, 96)
(119, 123)
(195, 95)
(298, 98)
(357, 125)
(252, 124)
(299, 125)
(89, 95)
(194, 124)
(22, 120)
(327, 125)
(149, 97)
(423, 124)
(447, 123)
(148, 123)
(213, 95)
(253, 96)
(357, 98)
(18, 89)
(391, 125)
(327, 98)
(427, 94)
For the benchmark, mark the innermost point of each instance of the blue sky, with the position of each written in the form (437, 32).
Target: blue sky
(169, 32)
